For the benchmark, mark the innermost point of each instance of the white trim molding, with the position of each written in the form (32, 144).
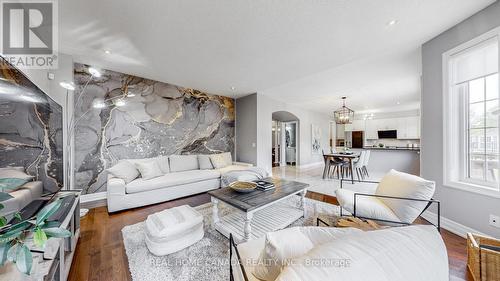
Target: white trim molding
(450, 225)
(93, 197)
(473, 188)
(94, 200)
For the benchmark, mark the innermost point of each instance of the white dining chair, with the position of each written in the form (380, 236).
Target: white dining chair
(358, 166)
(365, 164)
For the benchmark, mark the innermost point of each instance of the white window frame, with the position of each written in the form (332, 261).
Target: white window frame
(452, 125)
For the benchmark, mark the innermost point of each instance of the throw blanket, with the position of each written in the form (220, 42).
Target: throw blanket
(249, 174)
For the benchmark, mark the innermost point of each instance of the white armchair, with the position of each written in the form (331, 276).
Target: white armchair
(399, 198)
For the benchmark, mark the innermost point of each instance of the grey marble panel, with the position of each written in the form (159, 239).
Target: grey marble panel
(159, 119)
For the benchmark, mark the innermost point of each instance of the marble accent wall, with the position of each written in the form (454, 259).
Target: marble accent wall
(144, 118)
(31, 132)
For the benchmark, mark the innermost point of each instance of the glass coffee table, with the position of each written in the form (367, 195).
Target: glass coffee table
(258, 212)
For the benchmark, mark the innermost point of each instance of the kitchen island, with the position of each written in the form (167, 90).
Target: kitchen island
(403, 159)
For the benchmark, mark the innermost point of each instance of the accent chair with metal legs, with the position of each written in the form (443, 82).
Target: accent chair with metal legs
(398, 199)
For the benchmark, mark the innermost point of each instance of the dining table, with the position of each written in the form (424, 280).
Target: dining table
(347, 156)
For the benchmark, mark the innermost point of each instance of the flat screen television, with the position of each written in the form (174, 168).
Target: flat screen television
(31, 134)
(388, 134)
(31, 128)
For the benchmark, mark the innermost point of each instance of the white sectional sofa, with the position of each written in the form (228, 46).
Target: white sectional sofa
(181, 175)
(22, 195)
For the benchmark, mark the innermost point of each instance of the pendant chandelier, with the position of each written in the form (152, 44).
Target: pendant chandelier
(343, 115)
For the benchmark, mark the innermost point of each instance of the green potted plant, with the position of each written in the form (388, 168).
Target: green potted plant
(13, 238)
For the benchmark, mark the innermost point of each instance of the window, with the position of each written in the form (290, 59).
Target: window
(482, 130)
(471, 115)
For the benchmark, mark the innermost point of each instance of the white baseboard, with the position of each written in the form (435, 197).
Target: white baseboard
(311, 165)
(93, 197)
(450, 225)
(93, 200)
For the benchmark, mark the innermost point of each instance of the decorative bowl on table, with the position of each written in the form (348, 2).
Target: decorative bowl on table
(243, 186)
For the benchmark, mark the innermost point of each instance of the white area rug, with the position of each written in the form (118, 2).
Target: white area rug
(206, 260)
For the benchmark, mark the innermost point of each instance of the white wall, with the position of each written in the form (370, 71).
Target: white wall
(64, 72)
(265, 108)
(246, 129)
(467, 208)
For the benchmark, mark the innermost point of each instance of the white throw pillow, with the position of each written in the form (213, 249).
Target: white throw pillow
(321, 235)
(367, 207)
(179, 163)
(400, 184)
(124, 170)
(205, 163)
(149, 169)
(15, 172)
(221, 160)
(163, 163)
(279, 250)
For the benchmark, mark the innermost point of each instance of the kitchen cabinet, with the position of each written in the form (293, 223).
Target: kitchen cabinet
(371, 132)
(356, 125)
(409, 128)
(413, 127)
(387, 124)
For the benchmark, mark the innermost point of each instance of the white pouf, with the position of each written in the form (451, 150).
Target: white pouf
(173, 229)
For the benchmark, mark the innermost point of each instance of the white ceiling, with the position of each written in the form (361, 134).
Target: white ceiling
(385, 83)
(307, 52)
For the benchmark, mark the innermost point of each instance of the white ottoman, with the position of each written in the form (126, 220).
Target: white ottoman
(173, 229)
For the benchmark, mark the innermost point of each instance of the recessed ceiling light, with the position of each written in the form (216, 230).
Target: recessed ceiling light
(398, 102)
(107, 52)
(392, 22)
(233, 88)
(94, 72)
(67, 85)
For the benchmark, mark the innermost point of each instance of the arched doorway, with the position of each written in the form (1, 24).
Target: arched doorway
(285, 139)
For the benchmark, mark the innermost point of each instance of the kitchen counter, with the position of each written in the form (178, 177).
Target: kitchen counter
(393, 148)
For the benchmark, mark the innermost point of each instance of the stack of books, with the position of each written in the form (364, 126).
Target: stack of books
(264, 185)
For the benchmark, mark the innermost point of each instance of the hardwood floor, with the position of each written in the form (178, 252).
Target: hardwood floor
(100, 254)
